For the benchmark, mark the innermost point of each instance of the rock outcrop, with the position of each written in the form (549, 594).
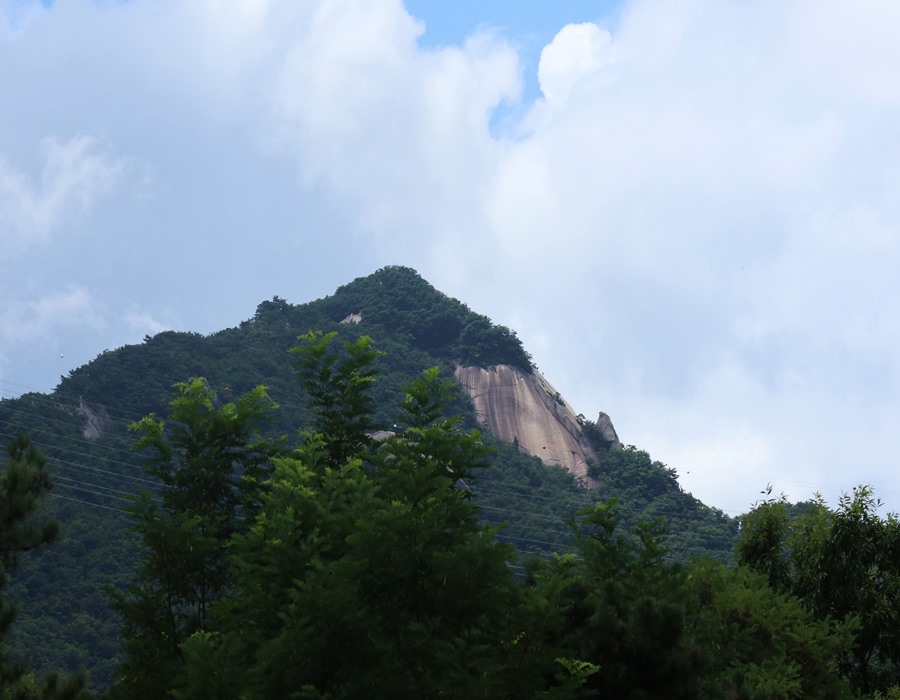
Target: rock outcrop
(525, 409)
(604, 422)
(97, 419)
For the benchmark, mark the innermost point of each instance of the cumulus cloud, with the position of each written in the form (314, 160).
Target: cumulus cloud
(714, 219)
(74, 173)
(399, 132)
(728, 220)
(577, 52)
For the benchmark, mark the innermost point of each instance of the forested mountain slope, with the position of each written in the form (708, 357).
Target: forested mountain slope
(83, 427)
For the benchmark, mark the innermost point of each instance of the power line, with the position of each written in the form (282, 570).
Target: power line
(129, 495)
(88, 503)
(53, 449)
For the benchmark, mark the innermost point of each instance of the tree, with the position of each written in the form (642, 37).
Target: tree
(482, 343)
(433, 579)
(338, 384)
(845, 566)
(763, 545)
(756, 642)
(371, 576)
(210, 462)
(23, 482)
(626, 610)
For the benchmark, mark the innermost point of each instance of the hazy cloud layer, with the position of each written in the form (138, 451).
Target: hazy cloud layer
(32, 319)
(73, 174)
(695, 228)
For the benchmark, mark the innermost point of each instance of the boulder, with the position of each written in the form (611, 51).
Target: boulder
(607, 430)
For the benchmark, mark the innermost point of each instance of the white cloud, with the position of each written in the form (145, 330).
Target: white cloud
(74, 174)
(577, 52)
(719, 206)
(142, 323)
(35, 319)
(846, 55)
(41, 330)
(401, 133)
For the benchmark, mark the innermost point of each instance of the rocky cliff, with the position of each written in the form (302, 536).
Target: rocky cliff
(526, 409)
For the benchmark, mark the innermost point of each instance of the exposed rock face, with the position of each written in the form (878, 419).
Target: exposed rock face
(607, 430)
(97, 419)
(526, 409)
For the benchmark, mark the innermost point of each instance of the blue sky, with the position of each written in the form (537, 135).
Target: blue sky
(529, 25)
(688, 210)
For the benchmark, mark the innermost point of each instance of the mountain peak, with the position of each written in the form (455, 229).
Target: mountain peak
(398, 300)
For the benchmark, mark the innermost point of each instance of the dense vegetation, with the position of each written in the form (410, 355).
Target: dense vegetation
(349, 567)
(445, 564)
(844, 565)
(23, 482)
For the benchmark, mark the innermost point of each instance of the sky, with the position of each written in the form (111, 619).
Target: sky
(688, 210)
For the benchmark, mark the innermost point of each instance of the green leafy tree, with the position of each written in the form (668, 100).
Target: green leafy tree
(626, 610)
(434, 581)
(210, 461)
(338, 384)
(23, 482)
(292, 615)
(372, 577)
(482, 343)
(756, 642)
(646, 488)
(763, 545)
(845, 566)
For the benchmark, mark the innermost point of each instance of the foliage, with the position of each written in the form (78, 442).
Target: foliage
(338, 386)
(483, 344)
(845, 566)
(646, 489)
(650, 628)
(396, 302)
(357, 567)
(758, 643)
(200, 457)
(366, 577)
(534, 502)
(73, 627)
(23, 482)
(625, 610)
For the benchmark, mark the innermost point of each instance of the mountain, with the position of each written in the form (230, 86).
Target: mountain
(548, 461)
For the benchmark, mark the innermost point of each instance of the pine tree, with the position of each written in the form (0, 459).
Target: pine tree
(23, 482)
